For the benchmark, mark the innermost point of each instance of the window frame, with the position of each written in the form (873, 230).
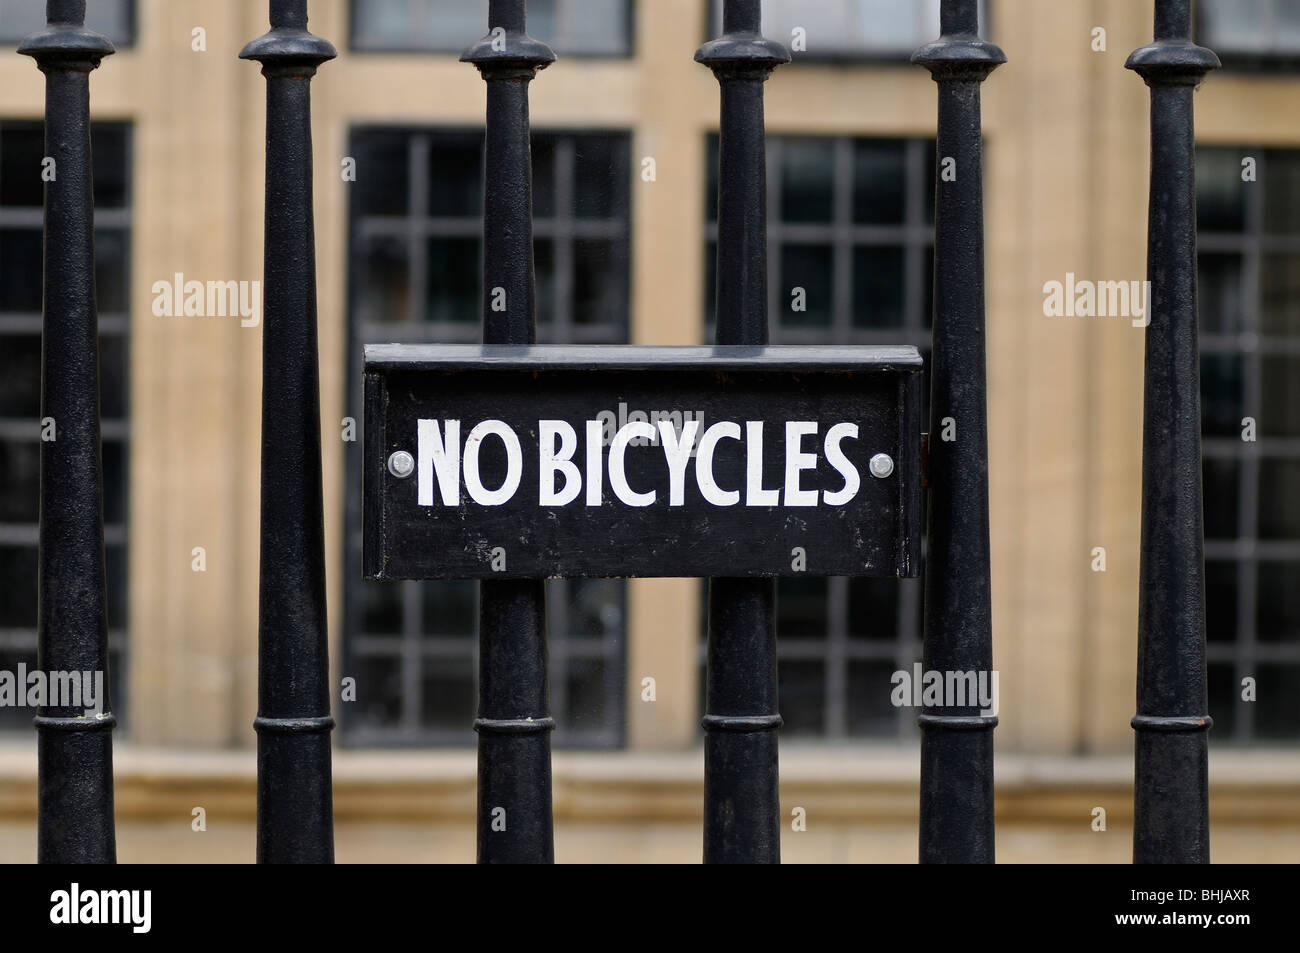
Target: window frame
(838, 650)
(563, 649)
(1244, 652)
(898, 57)
(1241, 60)
(629, 23)
(130, 29)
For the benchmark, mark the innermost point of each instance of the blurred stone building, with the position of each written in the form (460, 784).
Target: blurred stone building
(624, 160)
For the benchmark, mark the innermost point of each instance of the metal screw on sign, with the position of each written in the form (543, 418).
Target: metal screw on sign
(401, 464)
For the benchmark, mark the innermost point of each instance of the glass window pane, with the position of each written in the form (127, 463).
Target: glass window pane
(878, 277)
(597, 177)
(1277, 710)
(18, 594)
(1221, 394)
(113, 18)
(848, 27)
(581, 27)
(809, 267)
(20, 278)
(113, 455)
(450, 694)
(588, 27)
(587, 698)
(111, 271)
(870, 710)
(115, 567)
(20, 476)
(450, 25)
(20, 374)
(14, 718)
(543, 147)
(710, 284)
(873, 608)
(807, 179)
(379, 691)
(381, 607)
(383, 183)
(1218, 292)
(110, 157)
(1220, 600)
(454, 268)
(599, 281)
(450, 607)
(544, 270)
(1280, 399)
(802, 607)
(1279, 294)
(456, 178)
(596, 608)
(1277, 605)
(1220, 193)
(1224, 695)
(1219, 497)
(711, 187)
(1282, 182)
(1249, 26)
(1279, 503)
(22, 149)
(879, 177)
(385, 280)
(112, 376)
(801, 687)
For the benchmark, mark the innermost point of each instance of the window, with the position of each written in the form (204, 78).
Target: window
(1249, 300)
(850, 252)
(21, 198)
(416, 274)
(113, 18)
(1251, 33)
(849, 29)
(570, 27)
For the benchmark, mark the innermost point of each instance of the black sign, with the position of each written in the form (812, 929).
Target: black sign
(498, 462)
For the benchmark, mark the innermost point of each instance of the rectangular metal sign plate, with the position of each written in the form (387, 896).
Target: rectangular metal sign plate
(513, 462)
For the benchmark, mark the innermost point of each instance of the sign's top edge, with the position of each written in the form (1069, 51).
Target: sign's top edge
(610, 356)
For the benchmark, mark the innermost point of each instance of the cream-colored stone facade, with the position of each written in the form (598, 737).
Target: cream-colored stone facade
(1066, 180)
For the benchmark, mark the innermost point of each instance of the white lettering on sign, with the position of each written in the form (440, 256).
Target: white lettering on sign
(442, 462)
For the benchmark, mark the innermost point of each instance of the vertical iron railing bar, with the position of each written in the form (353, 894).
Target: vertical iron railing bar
(956, 811)
(514, 724)
(74, 748)
(295, 812)
(1171, 782)
(742, 822)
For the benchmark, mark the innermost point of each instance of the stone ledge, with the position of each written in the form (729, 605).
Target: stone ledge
(863, 783)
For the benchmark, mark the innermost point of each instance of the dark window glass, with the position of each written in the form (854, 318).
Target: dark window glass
(570, 27)
(1250, 32)
(113, 18)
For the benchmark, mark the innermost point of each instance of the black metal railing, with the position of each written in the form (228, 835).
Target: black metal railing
(742, 817)
(295, 812)
(514, 722)
(74, 748)
(957, 742)
(742, 808)
(1171, 820)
